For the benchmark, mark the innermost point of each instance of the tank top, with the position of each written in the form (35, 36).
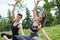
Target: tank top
(15, 29)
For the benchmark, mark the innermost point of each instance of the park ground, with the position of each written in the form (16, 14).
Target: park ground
(53, 32)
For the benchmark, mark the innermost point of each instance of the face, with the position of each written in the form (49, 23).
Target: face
(18, 18)
(40, 17)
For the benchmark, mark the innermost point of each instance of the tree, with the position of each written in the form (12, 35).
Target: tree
(0, 17)
(9, 16)
(3, 24)
(27, 21)
(6, 23)
(48, 6)
(19, 5)
(53, 4)
(9, 20)
(58, 6)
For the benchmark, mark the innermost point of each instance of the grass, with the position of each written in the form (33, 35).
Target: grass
(53, 32)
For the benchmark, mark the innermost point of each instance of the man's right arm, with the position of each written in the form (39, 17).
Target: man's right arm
(13, 14)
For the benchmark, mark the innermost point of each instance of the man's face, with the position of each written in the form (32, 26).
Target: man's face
(18, 18)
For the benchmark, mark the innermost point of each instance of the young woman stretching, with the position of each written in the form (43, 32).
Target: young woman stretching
(38, 23)
(16, 26)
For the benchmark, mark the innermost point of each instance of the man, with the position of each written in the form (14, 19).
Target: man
(16, 26)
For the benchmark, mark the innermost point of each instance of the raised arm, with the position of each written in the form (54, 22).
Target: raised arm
(13, 14)
(35, 9)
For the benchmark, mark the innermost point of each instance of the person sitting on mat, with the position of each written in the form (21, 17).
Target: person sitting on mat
(16, 26)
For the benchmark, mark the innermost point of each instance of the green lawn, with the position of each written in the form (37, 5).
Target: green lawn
(53, 32)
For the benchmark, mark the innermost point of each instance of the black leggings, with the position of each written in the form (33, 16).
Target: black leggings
(31, 37)
(27, 38)
(20, 37)
(8, 36)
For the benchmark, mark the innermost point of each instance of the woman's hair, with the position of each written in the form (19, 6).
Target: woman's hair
(41, 11)
(43, 19)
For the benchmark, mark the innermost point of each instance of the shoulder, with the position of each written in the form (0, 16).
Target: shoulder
(40, 26)
(20, 25)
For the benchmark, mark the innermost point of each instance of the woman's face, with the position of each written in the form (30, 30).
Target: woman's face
(40, 17)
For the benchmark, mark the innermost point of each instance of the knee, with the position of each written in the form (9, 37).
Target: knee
(35, 38)
(5, 37)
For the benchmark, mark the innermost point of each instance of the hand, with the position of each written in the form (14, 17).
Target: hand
(17, 2)
(38, 1)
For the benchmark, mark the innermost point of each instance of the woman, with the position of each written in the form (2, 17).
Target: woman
(38, 23)
(16, 26)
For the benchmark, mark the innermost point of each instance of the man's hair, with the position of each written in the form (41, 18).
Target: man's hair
(20, 15)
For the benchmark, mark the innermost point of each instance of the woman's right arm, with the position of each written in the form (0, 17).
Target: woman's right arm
(35, 9)
(44, 33)
(13, 14)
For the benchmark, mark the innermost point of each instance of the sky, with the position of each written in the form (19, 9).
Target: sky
(30, 4)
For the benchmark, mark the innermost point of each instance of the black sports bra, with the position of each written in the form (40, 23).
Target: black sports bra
(34, 28)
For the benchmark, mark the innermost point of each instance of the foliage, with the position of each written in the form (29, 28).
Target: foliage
(27, 21)
(5, 24)
(50, 20)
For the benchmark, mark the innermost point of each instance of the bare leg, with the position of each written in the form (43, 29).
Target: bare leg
(5, 37)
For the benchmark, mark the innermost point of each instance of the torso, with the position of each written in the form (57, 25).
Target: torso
(15, 28)
(34, 26)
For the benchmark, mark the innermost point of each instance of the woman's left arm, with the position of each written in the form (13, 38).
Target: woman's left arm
(44, 33)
